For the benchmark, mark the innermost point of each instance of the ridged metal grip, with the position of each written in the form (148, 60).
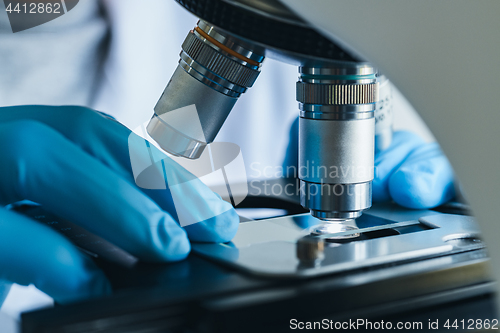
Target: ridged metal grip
(214, 70)
(217, 63)
(336, 139)
(337, 94)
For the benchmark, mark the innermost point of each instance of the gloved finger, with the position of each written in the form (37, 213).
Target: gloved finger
(41, 165)
(424, 180)
(31, 253)
(202, 212)
(118, 148)
(98, 135)
(388, 161)
(213, 220)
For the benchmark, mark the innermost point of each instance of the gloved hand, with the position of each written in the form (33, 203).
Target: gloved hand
(76, 164)
(411, 172)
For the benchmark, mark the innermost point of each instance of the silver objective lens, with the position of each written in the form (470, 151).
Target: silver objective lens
(335, 226)
(214, 70)
(336, 139)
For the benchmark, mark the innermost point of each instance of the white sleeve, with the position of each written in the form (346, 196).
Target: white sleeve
(144, 52)
(55, 63)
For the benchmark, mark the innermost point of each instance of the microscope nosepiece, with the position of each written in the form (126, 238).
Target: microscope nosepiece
(336, 139)
(214, 70)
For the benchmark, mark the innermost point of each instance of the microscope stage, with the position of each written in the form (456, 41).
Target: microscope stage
(389, 235)
(405, 263)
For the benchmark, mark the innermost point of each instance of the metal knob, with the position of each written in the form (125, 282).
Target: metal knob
(310, 249)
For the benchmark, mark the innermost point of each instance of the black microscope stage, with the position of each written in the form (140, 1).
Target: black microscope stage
(407, 265)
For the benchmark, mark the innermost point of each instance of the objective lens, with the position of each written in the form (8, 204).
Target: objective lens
(335, 226)
(336, 142)
(214, 69)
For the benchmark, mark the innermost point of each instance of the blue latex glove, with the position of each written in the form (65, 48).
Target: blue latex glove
(410, 172)
(76, 164)
(413, 173)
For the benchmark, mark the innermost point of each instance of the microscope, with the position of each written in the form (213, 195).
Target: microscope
(392, 263)
(337, 95)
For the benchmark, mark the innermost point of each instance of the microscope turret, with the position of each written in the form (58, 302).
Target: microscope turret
(337, 95)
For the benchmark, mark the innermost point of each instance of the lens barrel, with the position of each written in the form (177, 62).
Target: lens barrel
(336, 139)
(214, 70)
